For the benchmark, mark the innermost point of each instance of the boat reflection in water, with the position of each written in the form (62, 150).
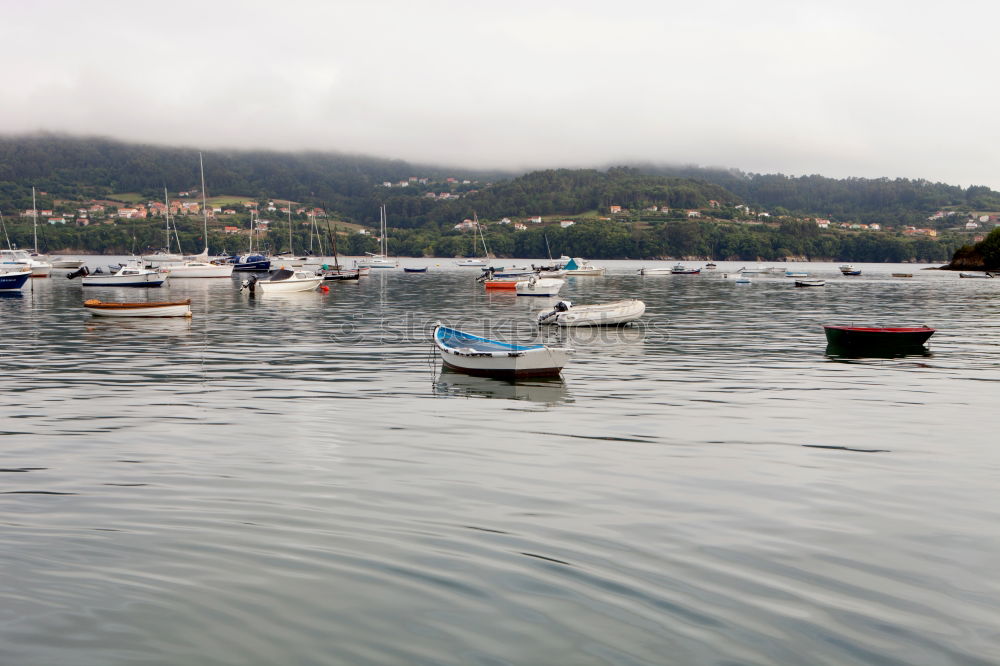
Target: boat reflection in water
(549, 391)
(847, 353)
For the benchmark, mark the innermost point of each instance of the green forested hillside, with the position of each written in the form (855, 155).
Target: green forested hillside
(425, 202)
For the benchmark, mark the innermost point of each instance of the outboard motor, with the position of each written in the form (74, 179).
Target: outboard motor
(80, 272)
(561, 306)
(487, 274)
(249, 284)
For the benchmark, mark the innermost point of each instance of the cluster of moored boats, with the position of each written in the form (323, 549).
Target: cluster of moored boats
(459, 350)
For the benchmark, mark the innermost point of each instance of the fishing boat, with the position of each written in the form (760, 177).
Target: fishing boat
(580, 267)
(476, 355)
(810, 283)
(878, 337)
(534, 286)
(13, 279)
(130, 274)
(283, 281)
(978, 276)
(409, 269)
(796, 274)
(681, 269)
(849, 269)
(150, 309)
(604, 314)
(655, 271)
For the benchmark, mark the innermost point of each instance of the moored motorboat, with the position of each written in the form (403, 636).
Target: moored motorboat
(982, 276)
(604, 314)
(849, 269)
(880, 337)
(411, 269)
(796, 274)
(250, 263)
(283, 281)
(129, 274)
(338, 274)
(534, 286)
(581, 267)
(199, 269)
(471, 263)
(13, 279)
(477, 355)
(681, 269)
(17, 259)
(655, 271)
(710, 266)
(810, 283)
(67, 264)
(150, 309)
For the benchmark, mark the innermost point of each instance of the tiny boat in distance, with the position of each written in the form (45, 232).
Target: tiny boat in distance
(981, 276)
(849, 269)
(475, 355)
(810, 283)
(654, 271)
(605, 314)
(877, 337)
(471, 263)
(151, 309)
(407, 269)
(578, 266)
(681, 269)
(902, 275)
(796, 274)
(710, 266)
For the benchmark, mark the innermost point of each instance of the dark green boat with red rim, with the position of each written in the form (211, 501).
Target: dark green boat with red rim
(877, 337)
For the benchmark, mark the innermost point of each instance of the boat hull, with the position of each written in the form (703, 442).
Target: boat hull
(810, 283)
(501, 285)
(858, 337)
(200, 270)
(14, 280)
(153, 280)
(131, 310)
(414, 270)
(288, 286)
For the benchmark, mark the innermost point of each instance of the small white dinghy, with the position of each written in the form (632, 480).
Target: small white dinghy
(535, 286)
(150, 309)
(283, 281)
(810, 283)
(981, 276)
(475, 355)
(655, 271)
(605, 314)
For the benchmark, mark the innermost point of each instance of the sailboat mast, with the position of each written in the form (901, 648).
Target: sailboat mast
(251, 231)
(34, 217)
(166, 213)
(204, 199)
(289, 227)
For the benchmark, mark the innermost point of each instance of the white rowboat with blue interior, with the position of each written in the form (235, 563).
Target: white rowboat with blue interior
(475, 355)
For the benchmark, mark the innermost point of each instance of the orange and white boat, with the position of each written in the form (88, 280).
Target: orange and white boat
(147, 309)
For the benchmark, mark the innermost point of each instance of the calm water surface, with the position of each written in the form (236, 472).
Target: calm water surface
(293, 479)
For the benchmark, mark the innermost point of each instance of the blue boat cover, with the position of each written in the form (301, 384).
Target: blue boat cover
(449, 337)
(571, 265)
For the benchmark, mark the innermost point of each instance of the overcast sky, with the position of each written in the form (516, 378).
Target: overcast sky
(875, 88)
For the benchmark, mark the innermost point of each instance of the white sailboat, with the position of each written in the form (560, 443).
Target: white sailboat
(200, 266)
(477, 263)
(380, 260)
(165, 256)
(39, 264)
